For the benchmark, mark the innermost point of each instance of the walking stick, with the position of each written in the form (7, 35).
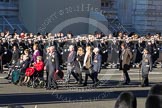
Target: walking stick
(140, 74)
(1, 64)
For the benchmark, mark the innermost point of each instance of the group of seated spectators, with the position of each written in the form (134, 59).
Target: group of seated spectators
(25, 66)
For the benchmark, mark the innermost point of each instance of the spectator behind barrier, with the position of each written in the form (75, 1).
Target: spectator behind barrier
(154, 101)
(156, 90)
(126, 100)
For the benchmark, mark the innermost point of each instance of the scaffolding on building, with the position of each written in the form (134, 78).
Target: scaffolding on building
(9, 16)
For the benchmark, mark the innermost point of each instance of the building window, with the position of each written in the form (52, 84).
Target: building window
(106, 4)
(102, 4)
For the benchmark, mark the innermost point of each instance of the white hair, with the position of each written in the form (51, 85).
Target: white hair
(71, 46)
(96, 49)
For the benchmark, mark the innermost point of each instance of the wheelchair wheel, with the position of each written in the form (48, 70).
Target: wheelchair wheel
(30, 83)
(35, 84)
(41, 84)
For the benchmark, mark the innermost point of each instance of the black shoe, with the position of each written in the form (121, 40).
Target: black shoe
(20, 84)
(84, 84)
(95, 85)
(128, 81)
(10, 82)
(79, 83)
(48, 88)
(144, 85)
(6, 78)
(125, 83)
(55, 88)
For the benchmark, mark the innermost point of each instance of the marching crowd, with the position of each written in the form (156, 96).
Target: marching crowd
(28, 56)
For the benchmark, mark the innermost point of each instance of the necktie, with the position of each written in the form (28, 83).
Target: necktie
(70, 54)
(95, 57)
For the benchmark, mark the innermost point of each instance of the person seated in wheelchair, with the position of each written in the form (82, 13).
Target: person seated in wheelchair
(23, 66)
(15, 71)
(14, 61)
(34, 71)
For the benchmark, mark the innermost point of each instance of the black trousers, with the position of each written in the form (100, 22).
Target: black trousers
(88, 73)
(78, 74)
(125, 73)
(145, 80)
(51, 81)
(95, 77)
(1, 66)
(75, 75)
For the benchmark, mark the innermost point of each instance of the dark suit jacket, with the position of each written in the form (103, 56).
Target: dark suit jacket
(52, 63)
(79, 62)
(1, 49)
(71, 59)
(15, 56)
(97, 65)
(24, 65)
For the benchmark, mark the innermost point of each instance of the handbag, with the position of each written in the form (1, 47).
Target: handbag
(59, 75)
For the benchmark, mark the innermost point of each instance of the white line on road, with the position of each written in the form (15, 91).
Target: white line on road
(115, 74)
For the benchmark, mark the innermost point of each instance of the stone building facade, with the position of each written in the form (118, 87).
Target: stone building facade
(143, 15)
(61, 16)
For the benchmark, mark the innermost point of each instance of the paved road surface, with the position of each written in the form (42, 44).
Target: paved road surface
(104, 96)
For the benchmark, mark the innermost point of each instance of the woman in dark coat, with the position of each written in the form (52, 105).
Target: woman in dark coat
(79, 63)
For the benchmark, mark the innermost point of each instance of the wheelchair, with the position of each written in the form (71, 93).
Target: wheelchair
(37, 80)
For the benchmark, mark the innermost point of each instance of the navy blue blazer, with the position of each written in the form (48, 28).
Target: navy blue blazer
(97, 64)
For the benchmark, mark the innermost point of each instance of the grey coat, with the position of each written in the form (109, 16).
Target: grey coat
(146, 65)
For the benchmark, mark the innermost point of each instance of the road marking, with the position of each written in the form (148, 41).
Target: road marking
(115, 74)
(150, 78)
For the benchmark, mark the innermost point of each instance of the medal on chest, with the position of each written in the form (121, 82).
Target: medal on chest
(53, 60)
